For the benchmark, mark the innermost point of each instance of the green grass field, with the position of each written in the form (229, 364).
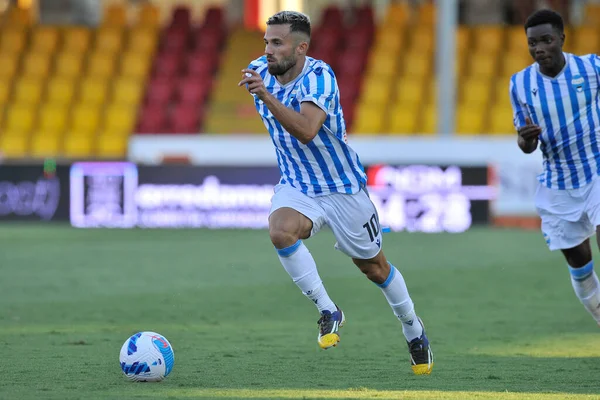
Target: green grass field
(498, 306)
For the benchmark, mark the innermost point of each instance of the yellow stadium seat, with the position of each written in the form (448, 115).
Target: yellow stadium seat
(112, 146)
(53, 118)
(76, 40)
(18, 17)
(369, 119)
(93, 92)
(28, 90)
(4, 94)
(513, 63)
(60, 91)
(470, 120)
(482, 67)
(12, 41)
(587, 40)
(127, 92)
(101, 66)
(403, 118)
(44, 39)
(389, 42)
(84, 120)
(410, 91)
(108, 40)
(135, 66)
(429, 119)
(120, 120)
(462, 39)
(397, 14)
(487, 39)
(45, 144)
(422, 40)
(417, 65)
(149, 15)
(376, 92)
(13, 145)
(475, 91)
(142, 40)
(20, 118)
(426, 14)
(8, 66)
(501, 121)
(36, 65)
(591, 14)
(501, 93)
(77, 146)
(115, 15)
(517, 40)
(69, 64)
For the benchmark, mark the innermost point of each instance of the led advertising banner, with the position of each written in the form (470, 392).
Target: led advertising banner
(34, 193)
(412, 198)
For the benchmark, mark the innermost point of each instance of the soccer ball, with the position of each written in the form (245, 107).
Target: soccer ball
(146, 357)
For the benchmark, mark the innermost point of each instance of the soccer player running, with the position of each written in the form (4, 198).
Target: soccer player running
(555, 106)
(322, 180)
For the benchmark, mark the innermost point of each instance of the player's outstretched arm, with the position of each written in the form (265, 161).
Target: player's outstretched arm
(528, 136)
(303, 125)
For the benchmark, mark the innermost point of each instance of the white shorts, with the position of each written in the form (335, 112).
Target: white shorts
(352, 218)
(570, 216)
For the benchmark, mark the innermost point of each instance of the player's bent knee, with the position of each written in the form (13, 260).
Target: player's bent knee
(282, 238)
(376, 269)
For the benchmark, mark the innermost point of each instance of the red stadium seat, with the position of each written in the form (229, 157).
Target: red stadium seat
(174, 40)
(214, 17)
(193, 90)
(351, 63)
(184, 118)
(167, 64)
(181, 18)
(200, 65)
(160, 91)
(153, 119)
(332, 16)
(208, 39)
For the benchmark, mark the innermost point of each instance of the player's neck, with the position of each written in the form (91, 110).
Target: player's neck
(291, 73)
(553, 71)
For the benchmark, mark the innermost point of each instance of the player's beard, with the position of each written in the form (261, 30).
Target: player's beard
(282, 66)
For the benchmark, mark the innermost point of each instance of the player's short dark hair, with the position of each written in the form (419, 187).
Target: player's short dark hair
(545, 16)
(298, 22)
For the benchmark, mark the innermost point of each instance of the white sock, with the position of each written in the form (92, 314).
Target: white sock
(587, 288)
(395, 291)
(300, 265)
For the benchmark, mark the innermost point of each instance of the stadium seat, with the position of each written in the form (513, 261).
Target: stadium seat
(516, 40)
(135, 66)
(200, 65)
(586, 39)
(142, 40)
(8, 66)
(167, 64)
(108, 40)
(429, 119)
(101, 65)
(93, 92)
(28, 91)
(115, 15)
(119, 120)
(20, 119)
(160, 91)
(385, 67)
(127, 92)
(60, 91)
(376, 92)
(426, 14)
(591, 14)
(111, 146)
(69, 65)
(53, 118)
(12, 41)
(398, 13)
(463, 39)
(45, 144)
(501, 93)
(475, 91)
(77, 146)
(44, 39)
(409, 90)
(369, 119)
(487, 40)
(13, 145)
(76, 40)
(4, 94)
(184, 118)
(501, 121)
(417, 65)
(482, 67)
(193, 91)
(84, 120)
(18, 17)
(403, 118)
(149, 16)
(422, 40)
(36, 65)
(513, 63)
(153, 119)
(470, 120)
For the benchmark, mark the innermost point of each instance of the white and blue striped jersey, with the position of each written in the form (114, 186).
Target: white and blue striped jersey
(566, 108)
(327, 164)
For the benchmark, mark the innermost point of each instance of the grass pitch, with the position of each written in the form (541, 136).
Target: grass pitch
(498, 306)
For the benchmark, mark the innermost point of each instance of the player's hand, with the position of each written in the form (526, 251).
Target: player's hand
(530, 131)
(254, 81)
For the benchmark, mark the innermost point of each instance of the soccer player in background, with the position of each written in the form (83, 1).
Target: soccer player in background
(322, 180)
(555, 107)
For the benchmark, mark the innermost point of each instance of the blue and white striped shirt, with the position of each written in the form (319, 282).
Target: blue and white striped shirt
(327, 164)
(566, 108)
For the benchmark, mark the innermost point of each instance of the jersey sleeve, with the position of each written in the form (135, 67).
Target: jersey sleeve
(519, 111)
(319, 87)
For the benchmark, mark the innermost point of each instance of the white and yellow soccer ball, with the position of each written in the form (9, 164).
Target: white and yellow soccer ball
(147, 357)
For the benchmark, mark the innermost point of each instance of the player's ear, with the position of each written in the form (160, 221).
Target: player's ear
(302, 48)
